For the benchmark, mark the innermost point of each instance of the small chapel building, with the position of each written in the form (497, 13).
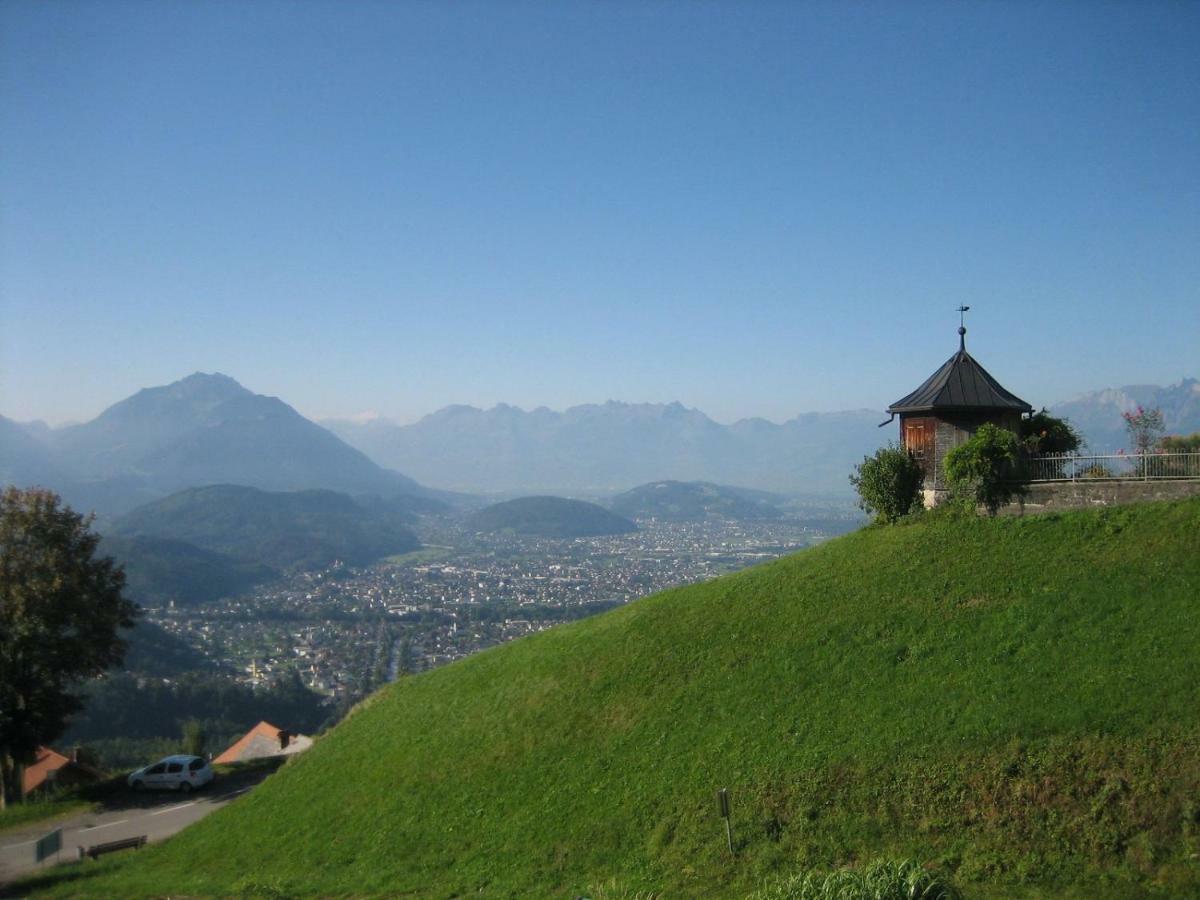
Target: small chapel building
(948, 408)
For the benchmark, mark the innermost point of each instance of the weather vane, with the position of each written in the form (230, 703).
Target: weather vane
(961, 310)
(962, 329)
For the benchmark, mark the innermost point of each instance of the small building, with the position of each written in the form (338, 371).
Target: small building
(264, 740)
(948, 408)
(51, 769)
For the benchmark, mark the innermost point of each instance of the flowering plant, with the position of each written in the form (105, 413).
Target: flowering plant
(1145, 426)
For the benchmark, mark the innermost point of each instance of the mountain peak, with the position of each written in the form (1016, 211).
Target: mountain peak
(208, 429)
(208, 383)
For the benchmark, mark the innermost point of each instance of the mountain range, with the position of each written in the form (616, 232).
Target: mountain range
(605, 448)
(208, 429)
(204, 429)
(1098, 415)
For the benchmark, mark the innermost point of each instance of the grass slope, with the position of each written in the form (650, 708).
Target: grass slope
(1013, 700)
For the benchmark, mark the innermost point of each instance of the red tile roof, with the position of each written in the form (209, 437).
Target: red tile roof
(263, 731)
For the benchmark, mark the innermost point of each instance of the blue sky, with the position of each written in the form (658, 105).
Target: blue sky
(755, 209)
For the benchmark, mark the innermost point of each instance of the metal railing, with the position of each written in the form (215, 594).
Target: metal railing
(1112, 466)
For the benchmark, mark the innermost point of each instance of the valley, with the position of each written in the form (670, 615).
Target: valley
(346, 629)
(1009, 701)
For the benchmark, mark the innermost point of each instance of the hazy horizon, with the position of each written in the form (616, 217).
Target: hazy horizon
(365, 416)
(756, 211)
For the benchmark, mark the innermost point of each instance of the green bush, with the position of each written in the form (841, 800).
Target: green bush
(984, 469)
(888, 483)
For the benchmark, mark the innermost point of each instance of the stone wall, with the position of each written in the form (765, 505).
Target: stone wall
(1058, 495)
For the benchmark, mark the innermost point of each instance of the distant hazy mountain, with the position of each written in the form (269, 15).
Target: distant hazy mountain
(24, 460)
(205, 429)
(549, 517)
(304, 529)
(694, 500)
(1098, 415)
(610, 447)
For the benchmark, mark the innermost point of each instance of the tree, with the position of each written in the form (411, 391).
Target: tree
(194, 737)
(1179, 443)
(405, 661)
(984, 469)
(888, 483)
(1145, 427)
(1043, 433)
(61, 609)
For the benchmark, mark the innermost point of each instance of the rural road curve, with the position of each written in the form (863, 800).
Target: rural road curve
(157, 815)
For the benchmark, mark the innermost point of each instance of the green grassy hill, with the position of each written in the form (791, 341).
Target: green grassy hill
(1014, 701)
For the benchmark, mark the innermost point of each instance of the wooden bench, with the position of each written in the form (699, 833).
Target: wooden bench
(99, 850)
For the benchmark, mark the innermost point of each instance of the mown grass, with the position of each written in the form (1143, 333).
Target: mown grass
(1013, 702)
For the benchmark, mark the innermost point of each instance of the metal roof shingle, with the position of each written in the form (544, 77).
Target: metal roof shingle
(961, 383)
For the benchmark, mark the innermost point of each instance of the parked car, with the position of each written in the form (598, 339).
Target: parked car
(175, 773)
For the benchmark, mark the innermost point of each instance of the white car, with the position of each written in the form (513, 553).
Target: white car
(175, 773)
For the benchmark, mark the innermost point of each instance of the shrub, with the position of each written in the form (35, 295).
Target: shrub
(984, 469)
(888, 483)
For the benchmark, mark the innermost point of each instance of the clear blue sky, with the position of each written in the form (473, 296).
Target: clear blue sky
(756, 209)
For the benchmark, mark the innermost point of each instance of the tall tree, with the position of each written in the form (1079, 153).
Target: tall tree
(61, 611)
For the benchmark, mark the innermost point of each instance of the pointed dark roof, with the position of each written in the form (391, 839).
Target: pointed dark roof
(960, 384)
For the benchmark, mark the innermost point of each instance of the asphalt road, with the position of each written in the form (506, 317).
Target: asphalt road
(157, 815)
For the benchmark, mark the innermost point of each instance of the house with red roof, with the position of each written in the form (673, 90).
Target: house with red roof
(264, 740)
(52, 769)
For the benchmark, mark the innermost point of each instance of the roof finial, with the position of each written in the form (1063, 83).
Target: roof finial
(962, 330)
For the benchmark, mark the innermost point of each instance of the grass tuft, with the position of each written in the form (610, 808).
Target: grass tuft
(882, 879)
